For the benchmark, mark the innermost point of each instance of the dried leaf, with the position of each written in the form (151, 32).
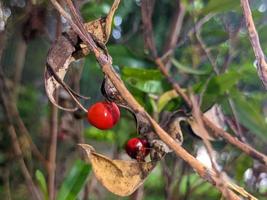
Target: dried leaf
(67, 49)
(215, 115)
(198, 130)
(58, 60)
(173, 125)
(121, 177)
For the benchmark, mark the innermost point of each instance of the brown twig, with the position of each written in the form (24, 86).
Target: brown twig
(21, 128)
(147, 7)
(16, 146)
(255, 42)
(17, 150)
(174, 33)
(216, 70)
(13, 118)
(52, 151)
(205, 135)
(189, 34)
(207, 52)
(13, 110)
(175, 86)
(53, 135)
(238, 131)
(19, 64)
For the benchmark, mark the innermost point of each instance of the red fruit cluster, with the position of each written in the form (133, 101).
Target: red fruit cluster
(103, 115)
(137, 148)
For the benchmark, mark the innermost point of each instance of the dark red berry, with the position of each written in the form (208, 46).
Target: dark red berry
(103, 115)
(137, 148)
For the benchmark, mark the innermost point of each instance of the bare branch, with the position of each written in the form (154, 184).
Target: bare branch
(255, 42)
(174, 31)
(147, 7)
(16, 146)
(52, 151)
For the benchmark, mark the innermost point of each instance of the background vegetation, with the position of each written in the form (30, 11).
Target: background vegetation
(212, 56)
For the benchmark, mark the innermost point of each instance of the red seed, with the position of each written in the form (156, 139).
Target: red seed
(103, 115)
(137, 148)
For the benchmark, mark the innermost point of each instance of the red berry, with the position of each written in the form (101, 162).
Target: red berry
(103, 115)
(137, 148)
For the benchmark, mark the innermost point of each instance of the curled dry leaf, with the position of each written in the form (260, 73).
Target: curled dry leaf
(172, 125)
(68, 48)
(198, 130)
(121, 177)
(58, 60)
(215, 115)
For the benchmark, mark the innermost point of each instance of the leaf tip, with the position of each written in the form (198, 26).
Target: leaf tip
(87, 148)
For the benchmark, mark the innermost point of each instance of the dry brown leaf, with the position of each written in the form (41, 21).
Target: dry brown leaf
(121, 177)
(58, 60)
(198, 130)
(173, 125)
(215, 115)
(64, 51)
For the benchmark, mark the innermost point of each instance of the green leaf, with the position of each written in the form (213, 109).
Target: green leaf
(74, 182)
(91, 11)
(148, 86)
(242, 163)
(217, 87)
(122, 56)
(203, 188)
(220, 6)
(42, 183)
(100, 135)
(139, 73)
(189, 70)
(249, 115)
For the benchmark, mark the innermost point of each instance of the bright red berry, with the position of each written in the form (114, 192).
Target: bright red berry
(137, 148)
(103, 115)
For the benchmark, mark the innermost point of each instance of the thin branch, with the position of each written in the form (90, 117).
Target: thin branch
(174, 84)
(147, 7)
(21, 128)
(174, 33)
(16, 146)
(12, 108)
(197, 30)
(52, 152)
(238, 131)
(255, 42)
(204, 133)
(17, 150)
(207, 52)
(19, 64)
(189, 34)
(216, 70)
